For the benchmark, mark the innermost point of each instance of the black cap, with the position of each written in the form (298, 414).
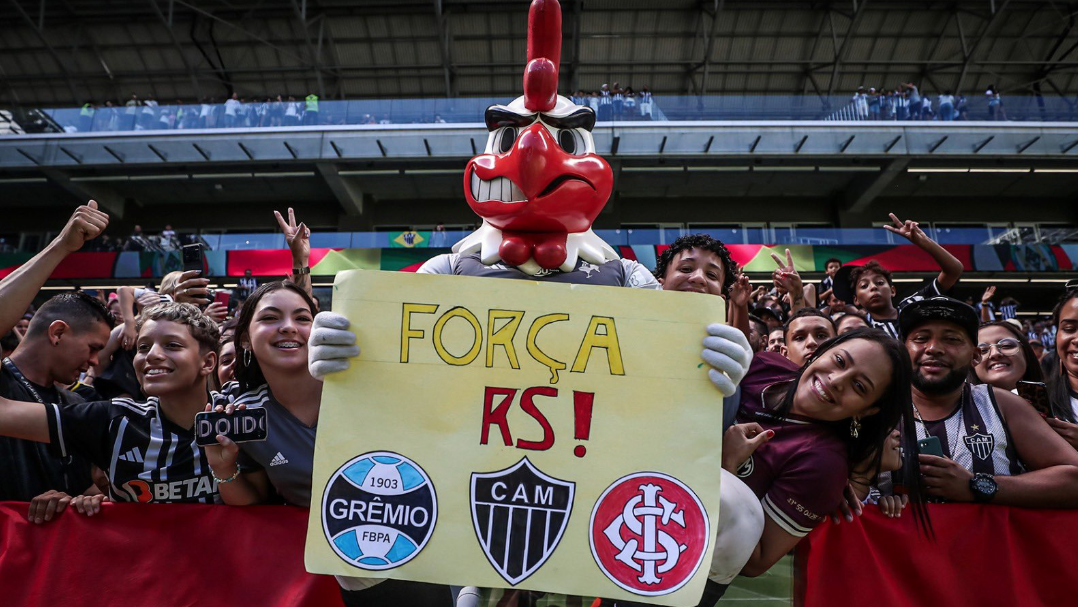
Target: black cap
(939, 308)
(840, 286)
(762, 311)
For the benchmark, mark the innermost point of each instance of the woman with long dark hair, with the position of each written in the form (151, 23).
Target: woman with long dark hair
(270, 370)
(837, 411)
(271, 338)
(1062, 376)
(798, 434)
(1006, 357)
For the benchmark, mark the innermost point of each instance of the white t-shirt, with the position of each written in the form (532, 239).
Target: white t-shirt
(946, 99)
(231, 106)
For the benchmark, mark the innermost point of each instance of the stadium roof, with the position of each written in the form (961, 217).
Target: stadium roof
(64, 52)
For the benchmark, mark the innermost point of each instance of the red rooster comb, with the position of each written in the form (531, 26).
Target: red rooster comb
(544, 56)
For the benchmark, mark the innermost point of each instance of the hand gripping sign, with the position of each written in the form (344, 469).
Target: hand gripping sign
(513, 434)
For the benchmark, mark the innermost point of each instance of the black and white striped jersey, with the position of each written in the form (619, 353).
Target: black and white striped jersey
(1009, 311)
(147, 457)
(890, 325)
(975, 434)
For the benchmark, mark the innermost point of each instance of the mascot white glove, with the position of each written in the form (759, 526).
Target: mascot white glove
(728, 352)
(331, 345)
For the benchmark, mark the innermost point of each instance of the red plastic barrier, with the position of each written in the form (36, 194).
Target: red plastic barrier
(162, 555)
(982, 555)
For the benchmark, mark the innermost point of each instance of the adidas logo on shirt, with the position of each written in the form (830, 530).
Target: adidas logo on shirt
(132, 456)
(278, 459)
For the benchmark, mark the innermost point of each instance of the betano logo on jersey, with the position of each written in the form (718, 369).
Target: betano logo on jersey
(187, 490)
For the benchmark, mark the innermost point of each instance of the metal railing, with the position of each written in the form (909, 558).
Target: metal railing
(752, 235)
(272, 113)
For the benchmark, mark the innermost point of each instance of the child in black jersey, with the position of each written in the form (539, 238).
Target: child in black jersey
(147, 449)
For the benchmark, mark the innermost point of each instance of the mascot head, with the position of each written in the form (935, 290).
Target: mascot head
(539, 184)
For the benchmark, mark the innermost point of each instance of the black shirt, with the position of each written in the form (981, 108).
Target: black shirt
(146, 457)
(27, 469)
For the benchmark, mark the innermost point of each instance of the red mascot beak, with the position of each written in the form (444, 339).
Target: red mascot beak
(538, 187)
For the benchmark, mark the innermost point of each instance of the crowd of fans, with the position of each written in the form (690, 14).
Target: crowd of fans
(853, 396)
(908, 102)
(145, 113)
(610, 102)
(617, 103)
(139, 241)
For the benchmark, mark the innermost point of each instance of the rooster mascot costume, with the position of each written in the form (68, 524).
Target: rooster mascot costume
(538, 186)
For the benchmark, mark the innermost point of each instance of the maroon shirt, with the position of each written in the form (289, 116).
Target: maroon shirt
(799, 475)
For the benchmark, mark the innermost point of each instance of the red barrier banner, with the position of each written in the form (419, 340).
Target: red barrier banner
(981, 555)
(162, 555)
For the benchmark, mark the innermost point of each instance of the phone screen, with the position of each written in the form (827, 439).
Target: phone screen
(192, 258)
(930, 446)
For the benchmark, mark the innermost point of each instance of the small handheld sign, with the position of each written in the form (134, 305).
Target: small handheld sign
(242, 426)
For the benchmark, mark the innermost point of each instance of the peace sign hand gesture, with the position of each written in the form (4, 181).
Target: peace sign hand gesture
(740, 291)
(910, 230)
(297, 237)
(786, 276)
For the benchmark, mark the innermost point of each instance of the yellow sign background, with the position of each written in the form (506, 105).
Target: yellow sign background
(662, 415)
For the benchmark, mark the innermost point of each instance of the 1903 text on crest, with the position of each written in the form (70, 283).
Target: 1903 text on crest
(520, 515)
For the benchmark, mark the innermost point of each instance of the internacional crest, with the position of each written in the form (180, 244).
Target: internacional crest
(520, 515)
(649, 533)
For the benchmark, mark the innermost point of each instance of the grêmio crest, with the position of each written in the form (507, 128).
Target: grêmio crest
(520, 515)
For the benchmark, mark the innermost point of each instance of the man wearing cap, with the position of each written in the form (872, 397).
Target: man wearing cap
(995, 447)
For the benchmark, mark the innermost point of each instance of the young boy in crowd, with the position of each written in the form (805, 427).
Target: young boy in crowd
(147, 449)
(696, 263)
(59, 342)
(827, 285)
(804, 332)
(874, 291)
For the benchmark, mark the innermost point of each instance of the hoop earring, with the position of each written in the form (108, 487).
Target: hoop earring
(247, 357)
(855, 427)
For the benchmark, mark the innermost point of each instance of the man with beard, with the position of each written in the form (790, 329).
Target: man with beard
(996, 448)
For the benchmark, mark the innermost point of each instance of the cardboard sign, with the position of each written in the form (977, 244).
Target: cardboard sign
(503, 433)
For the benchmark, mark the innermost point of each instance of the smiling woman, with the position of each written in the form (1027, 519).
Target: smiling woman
(1006, 357)
(270, 367)
(839, 410)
